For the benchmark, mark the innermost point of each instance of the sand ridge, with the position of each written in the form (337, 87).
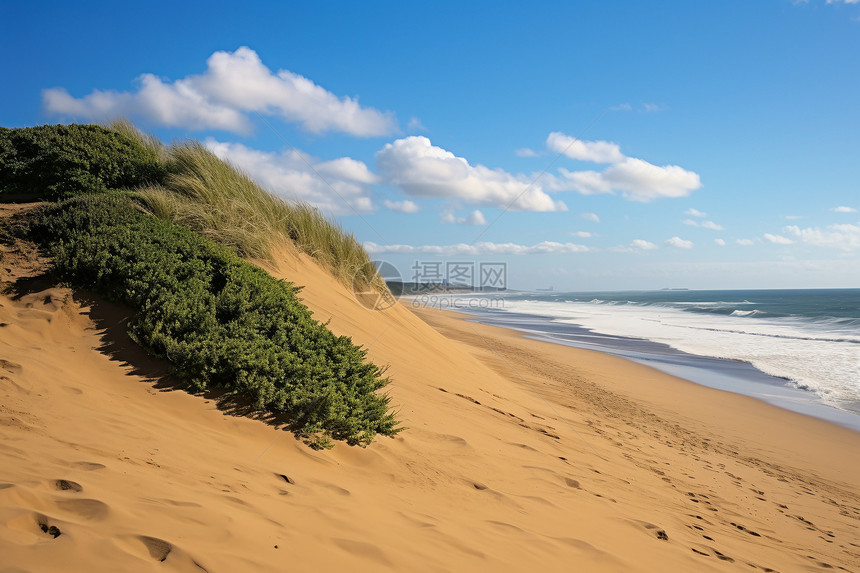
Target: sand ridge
(516, 455)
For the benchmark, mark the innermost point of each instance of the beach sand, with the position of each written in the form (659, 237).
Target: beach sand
(516, 455)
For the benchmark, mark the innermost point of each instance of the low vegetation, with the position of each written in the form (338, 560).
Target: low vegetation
(220, 320)
(52, 162)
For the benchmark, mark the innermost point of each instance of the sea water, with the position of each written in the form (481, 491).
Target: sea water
(806, 340)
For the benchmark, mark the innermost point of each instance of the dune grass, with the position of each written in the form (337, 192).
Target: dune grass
(205, 193)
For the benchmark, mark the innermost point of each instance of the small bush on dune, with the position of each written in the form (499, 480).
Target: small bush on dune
(220, 320)
(51, 162)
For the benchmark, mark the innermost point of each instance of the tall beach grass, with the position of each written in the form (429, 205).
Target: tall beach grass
(215, 198)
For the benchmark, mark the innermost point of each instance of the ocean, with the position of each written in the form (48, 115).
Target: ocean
(799, 349)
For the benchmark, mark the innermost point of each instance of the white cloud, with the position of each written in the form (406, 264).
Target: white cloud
(643, 245)
(793, 217)
(704, 224)
(621, 107)
(637, 180)
(651, 107)
(421, 169)
(474, 218)
(595, 151)
(329, 185)
(591, 217)
(635, 246)
(641, 181)
(720, 242)
(777, 239)
(843, 209)
(679, 243)
(745, 242)
(843, 237)
(401, 206)
(526, 152)
(233, 85)
(172, 105)
(582, 234)
(695, 213)
(485, 248)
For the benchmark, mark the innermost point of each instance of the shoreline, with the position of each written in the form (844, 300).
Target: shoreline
(750, 420)
(735, 376)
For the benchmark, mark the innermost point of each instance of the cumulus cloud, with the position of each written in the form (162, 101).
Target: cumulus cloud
(422, 169)
(635, 179)
(233, 85)
(777, 239)
(695, 213)
(526, 152)
(484, 248)
(582, 234)
(745, 242)
(843, 209)
(473, 218)
(590, 217)
(720, 242)
(401, 206)
(639, 180)
(679, 243)
(843, 237)
(594, 151)
(339, 186)
(176, 104)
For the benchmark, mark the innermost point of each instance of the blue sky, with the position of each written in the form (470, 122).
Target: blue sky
(589, 146)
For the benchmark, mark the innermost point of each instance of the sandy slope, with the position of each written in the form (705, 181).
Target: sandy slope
(517, 456)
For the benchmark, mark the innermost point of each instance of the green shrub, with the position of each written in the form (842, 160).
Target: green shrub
(219, 320)
(51, 162)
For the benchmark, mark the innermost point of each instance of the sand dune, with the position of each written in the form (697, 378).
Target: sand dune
(517, 455)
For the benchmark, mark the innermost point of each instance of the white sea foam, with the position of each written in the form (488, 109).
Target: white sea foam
(820, 356)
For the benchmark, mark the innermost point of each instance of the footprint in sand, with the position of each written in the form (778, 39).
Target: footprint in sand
(68, 485)
(571, 483)
(9, 366)
(158, 548)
